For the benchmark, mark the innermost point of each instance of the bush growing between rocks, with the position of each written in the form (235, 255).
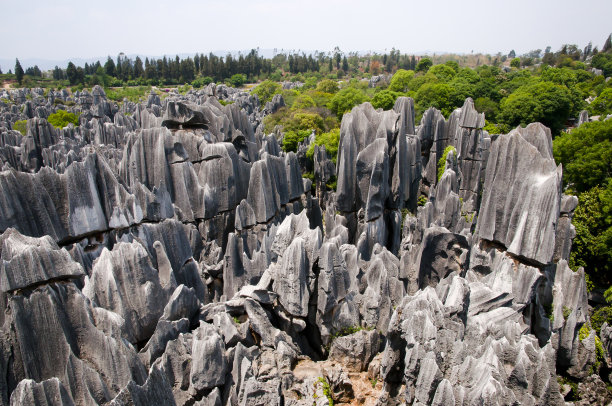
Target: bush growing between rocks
(62, 118)
(442, 160)
(21, 126)
(330, 139)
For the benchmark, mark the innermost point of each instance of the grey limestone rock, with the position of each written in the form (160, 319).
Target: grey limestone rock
(91, 366)
(49, 392)
(209, 364)
(155, 391)
(182, 115)
(522, 194)
(355, 351)
(29, 261)
(124, 281)
(292, 279)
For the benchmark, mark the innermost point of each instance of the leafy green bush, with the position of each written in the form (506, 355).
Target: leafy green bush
(385, 99)
(586, 156)
(400, 80)
(303, 101)
(601, 316)
(345, 100)
(438, 95)
(492, 128)
(238, 79)
(21, 126)
(265, 90)
(442, 160)
(292, 138)
(546, 102)
(592, 246)
(327, 86)
(330, 139)
(424, 65)
(602, 105)
(62, 118)
(201, 82)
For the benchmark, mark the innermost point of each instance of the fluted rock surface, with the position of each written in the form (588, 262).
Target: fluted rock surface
(170, 252)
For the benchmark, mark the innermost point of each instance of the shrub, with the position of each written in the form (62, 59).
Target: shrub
(327, 86)
(345, 100)
(330, 139)
(21, 126)
(201, 82)
(400, 80)
(292, 138)
(442, 160)
(601, 316)
(238, 80)
(265, 90)
(385, 99)
(62, 118)
(303, 101)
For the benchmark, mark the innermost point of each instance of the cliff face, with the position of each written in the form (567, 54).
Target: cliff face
(169, 252)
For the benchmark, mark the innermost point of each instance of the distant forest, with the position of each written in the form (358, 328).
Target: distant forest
(203, 69)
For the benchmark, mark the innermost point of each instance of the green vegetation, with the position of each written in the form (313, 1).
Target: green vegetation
(586, 156)
(133, 94)
(566, 312)
(601, 316)
(327, 392)
(602, 105)
(62, 118)
(584, 332)
(574, 394)
(422, 200)
(21, 126)
(442, 160)
(330, 139)
(238, 80)
(345, 100)
(266, 90)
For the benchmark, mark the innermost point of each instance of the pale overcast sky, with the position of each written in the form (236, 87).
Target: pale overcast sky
(63, 29)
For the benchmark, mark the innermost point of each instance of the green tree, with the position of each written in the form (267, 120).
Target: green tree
(400, 80)
(265, 90)
(603, 103)
(487, 106)
(436, 95)
(303, 101)
(330, 139)
(109, 67)
(545, 102)
(345, 100)
(592, 247)
(292, 138)
(385, 99)
(18, 71)
(62, 118)
(238, 80)
(515, 63)
(586, 155)
(443, 72)
(328, 86)
(424, 65)
(71, 73)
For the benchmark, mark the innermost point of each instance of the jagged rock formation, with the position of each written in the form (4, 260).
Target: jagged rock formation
(168, 252)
